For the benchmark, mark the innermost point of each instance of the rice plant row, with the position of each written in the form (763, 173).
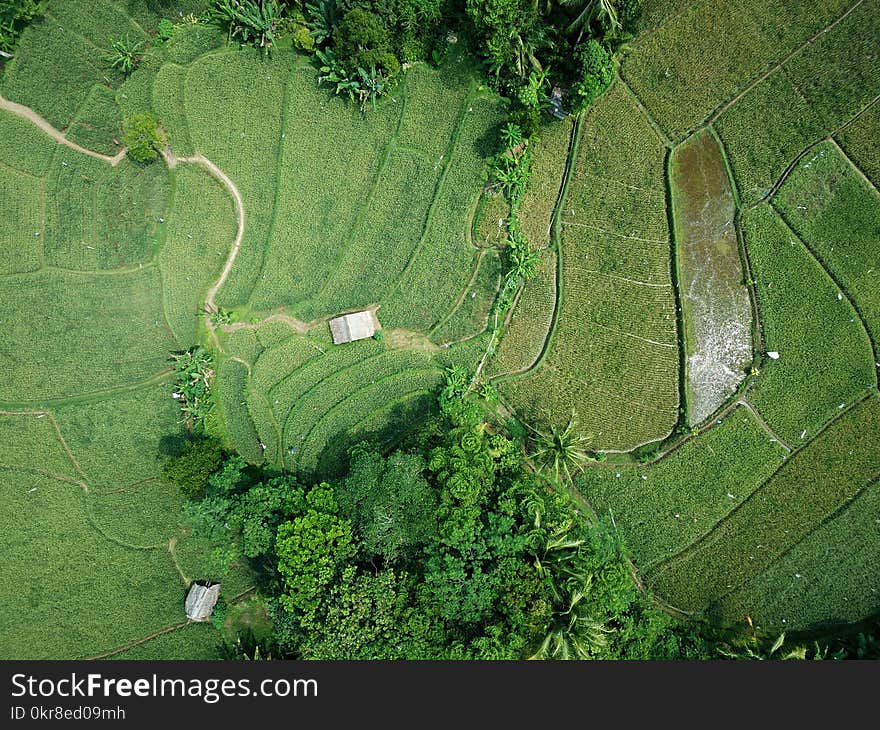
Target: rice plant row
(808, 489)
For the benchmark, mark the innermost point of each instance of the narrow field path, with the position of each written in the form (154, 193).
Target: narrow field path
(766, 426)
(198, 159)
(30, 115)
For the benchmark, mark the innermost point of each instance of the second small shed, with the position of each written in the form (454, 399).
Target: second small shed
(354, 326)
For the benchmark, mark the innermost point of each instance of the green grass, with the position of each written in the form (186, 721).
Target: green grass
(122, 440)
(146, 516)
(490, 220)
(201, 227)
(85, 594)
(97, 123)
(825, 358)
(664, 507)
(223, 93)
(548, 156)
(530, 321)
(348, 412)
(806, 491)
(74, 333)
(23, 146)
(426, 291)
(701, 58)
(615, 351)
(21, 225)
(812, 95)
(276, 362)
(472, 315)
(168, 98)
(193, 641)
(30, 442)
(859, 141)
(231, 393)
(37, 78)
(102, 217)
(824, 196)
(830, 577)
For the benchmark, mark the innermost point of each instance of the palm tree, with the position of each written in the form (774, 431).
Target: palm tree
(573, 632)
(605, 11)
(561, 451)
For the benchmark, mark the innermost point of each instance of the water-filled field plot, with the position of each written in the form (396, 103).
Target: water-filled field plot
(717, 311)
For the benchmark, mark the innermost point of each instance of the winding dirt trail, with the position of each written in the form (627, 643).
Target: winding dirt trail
(197, 159)
(30, 115)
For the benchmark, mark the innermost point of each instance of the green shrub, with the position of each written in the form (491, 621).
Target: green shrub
(595, 71)
(123, 54)
(165, 30)
(303, 40)
(142, 136)
(362, 41)
(192, 468)
(14, 16)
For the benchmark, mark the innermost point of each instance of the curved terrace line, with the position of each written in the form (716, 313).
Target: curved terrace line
(25, 112)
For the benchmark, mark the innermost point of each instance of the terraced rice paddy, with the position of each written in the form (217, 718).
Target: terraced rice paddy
(769, 510)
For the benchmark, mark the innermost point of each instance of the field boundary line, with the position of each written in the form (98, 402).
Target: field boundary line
(838, 511)
(343, 401)
(172, 544)
(839, 284)
(390, 291)
(766, 426)
(556, 245)
(318, 384)
(695, 545)
(479, 256)
(198, 159)
(654, 124)
(48, 474)
(349, 247)
(94, 396)
(25, 112)
(127, 487)
(713, 116)
(143, 640)
(852, 163)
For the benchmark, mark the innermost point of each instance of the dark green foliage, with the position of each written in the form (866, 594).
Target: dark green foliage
(14, 16)
(193, 467)
(389, 502)
(123, 54)
(142, 136)
(165, 30)
(595, 70)
(251, 21)
(362, 42)
(194, 372)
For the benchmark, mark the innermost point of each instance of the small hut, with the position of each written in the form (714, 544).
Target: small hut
(556, 103)
(354, 326)
(200, 601)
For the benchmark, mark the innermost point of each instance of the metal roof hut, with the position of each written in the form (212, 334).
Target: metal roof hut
(556, 103)
(200, 601)
(354, 326)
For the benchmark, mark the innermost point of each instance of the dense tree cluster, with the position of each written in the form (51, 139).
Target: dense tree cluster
(14, 16)
(448, 547)
(526, 46)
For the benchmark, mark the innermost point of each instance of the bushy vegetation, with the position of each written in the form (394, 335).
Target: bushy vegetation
(15, 15)
(142, 136)
(448, 548)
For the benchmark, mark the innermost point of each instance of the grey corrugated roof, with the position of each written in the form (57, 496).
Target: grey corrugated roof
(200, 601)
(354, 326)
